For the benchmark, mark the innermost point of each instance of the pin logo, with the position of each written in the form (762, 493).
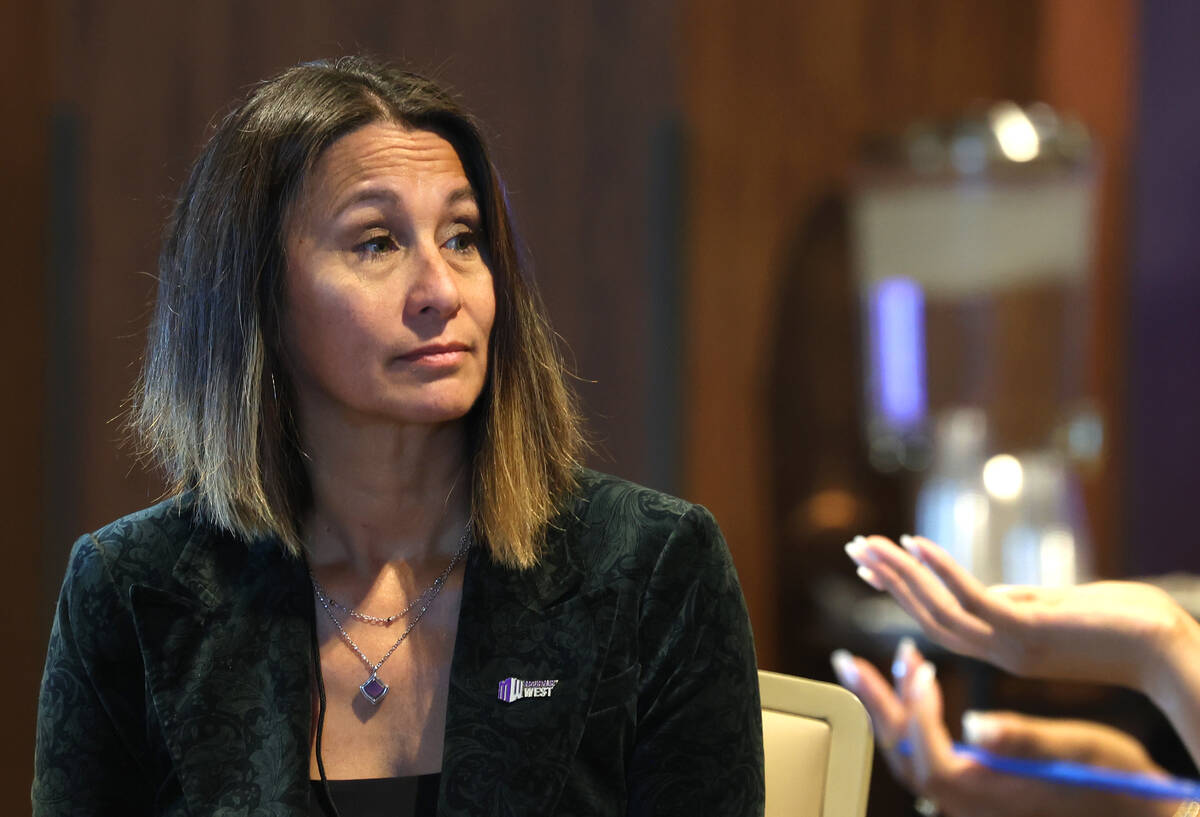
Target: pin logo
(513, 689)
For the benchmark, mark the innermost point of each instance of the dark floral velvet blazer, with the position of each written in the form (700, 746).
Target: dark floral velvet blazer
(178, 679)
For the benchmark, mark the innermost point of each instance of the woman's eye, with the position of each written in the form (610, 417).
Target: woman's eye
(375, 245)
(463, 242)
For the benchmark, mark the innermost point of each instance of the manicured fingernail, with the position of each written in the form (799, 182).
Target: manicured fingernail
(904, 656)
(856, 549)
(868, 576)
(909, 543)
(979, 728)
(844, 668)
(923, 679)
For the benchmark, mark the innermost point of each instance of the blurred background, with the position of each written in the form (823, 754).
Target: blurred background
(698, 186)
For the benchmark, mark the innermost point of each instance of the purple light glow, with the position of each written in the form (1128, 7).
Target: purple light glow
(897, 353)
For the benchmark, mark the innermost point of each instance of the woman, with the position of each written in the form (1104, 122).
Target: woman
(1125, 633)
(385, 582)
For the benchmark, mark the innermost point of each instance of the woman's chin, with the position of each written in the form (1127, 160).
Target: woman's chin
(433, 413)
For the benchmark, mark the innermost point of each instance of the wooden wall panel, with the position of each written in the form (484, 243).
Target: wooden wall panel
(1087, 66)
(24, 171)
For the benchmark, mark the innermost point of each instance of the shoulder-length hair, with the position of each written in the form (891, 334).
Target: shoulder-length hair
(212, 404)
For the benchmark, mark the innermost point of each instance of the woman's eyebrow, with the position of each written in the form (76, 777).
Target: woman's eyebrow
(462, 194)
(367, 195)
(386, 196)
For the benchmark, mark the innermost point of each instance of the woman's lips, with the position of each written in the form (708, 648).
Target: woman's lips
(437, 354)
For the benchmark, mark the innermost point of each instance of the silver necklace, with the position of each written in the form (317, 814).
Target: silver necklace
(373, 689)
(386, 621)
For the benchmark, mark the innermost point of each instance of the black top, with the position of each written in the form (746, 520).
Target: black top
(379, 797)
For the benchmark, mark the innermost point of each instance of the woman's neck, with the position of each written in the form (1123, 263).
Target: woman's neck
(385, 493)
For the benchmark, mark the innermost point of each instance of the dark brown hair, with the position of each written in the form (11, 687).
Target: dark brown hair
(212, 405)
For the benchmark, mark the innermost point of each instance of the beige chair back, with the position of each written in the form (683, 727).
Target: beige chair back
(818, 747)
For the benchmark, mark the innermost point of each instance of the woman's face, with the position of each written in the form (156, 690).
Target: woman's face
(388, 297)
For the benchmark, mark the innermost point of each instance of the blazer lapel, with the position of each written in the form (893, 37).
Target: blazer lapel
(511, 757)
(227, 664)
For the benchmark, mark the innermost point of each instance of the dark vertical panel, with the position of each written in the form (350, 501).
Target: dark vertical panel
(25, 112)
(667, 197)
(63, 311)
(1164, 297)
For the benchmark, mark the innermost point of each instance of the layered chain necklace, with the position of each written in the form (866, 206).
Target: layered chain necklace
(373, 689)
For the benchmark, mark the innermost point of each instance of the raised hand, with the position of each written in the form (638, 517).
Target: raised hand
(1107, 632)
(1124, 633)
(964, 788)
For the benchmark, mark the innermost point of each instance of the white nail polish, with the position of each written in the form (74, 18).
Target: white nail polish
(978, 728)
(868, 576)
(858, 550)
(923, 679)
(904, 652)
(909, 543)
(844, 668)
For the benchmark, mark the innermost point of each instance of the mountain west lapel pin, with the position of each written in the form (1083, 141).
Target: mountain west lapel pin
(513, 689)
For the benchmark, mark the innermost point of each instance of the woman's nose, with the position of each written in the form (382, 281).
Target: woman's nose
(434, 289)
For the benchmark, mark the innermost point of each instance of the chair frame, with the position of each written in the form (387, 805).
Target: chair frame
(851, 745)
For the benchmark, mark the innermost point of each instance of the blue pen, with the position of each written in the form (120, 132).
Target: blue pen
(1080, 774)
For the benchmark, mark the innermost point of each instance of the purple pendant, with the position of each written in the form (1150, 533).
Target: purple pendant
(373, 689)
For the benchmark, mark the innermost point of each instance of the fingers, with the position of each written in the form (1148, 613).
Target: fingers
(1007, 733)
(921, 593)
(907, 659)
(1016, 735)
(971, 593)
(926, 587)
(964, 787)
(933, 757)
(888, 715)
(959, 785)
